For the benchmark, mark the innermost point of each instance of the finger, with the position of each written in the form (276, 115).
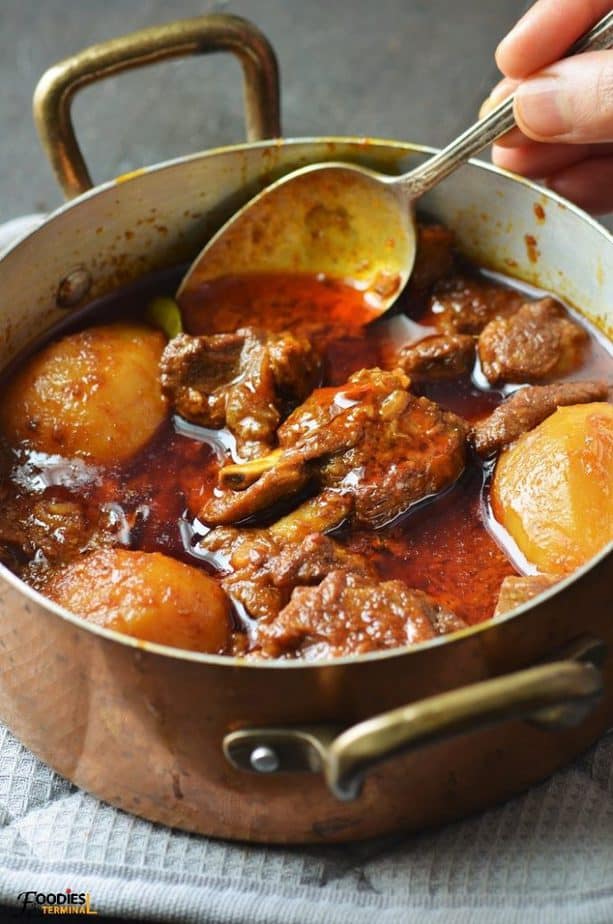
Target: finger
(514, 139)
(545, 33)
(589, 184)
(571, 101)
(539, 160)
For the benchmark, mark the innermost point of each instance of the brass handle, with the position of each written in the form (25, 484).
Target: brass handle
(552, 695)
(56, 88)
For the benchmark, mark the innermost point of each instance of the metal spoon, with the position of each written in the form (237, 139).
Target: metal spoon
(342, 223)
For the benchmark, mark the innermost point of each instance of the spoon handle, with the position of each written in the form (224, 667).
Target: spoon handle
(492, 126)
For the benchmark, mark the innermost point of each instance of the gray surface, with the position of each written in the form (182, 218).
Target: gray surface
(409, 69)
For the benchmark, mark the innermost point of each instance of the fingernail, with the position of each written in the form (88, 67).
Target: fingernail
(497, 95)
(486, 106)
(543, 107)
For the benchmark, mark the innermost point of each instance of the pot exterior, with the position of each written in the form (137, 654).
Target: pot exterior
(143, 729)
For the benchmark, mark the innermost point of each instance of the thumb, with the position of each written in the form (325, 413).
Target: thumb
(571, 101)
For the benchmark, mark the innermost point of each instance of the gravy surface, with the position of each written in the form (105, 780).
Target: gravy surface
(446, 546)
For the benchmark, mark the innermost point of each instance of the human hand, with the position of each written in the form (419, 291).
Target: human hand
(563, 108)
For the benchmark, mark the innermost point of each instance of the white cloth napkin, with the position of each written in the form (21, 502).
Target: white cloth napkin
(545, 857)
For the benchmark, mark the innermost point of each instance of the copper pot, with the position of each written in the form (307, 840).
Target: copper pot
(289, 751)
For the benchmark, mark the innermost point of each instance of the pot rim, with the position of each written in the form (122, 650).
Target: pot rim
(365, 142)
(183, 654)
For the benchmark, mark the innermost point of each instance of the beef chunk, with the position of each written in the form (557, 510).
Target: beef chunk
(245, 555)
(538, 341)
(14, 543)
(245, 381)
(195, 372)
(526, 408)
(434, 256)
(51, 528)
(465, 304)
(265, 565)
(314, 558)
(369, 439)
(441, 357)
(48, 524)
(517, 590)
(351, 613)
(265, 590)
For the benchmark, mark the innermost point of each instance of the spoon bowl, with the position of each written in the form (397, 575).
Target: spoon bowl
(331, 222)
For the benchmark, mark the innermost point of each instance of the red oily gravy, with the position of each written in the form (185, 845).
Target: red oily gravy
(443, 546)
(274, 301)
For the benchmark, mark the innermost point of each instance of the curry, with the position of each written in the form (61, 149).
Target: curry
(284, 479)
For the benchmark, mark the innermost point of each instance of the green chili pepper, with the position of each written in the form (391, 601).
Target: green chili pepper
(163, 312)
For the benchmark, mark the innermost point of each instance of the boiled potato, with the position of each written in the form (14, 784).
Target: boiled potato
(553, 488)
(94, 394)
(147, 595)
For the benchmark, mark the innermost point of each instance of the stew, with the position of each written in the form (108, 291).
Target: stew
(281, 479)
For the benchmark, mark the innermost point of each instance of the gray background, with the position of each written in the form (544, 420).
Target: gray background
(408, 69)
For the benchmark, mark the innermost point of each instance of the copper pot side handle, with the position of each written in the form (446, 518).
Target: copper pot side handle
(553, 695)
(203, 34)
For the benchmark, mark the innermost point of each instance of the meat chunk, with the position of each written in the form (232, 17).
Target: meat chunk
(51, 527)
(245, 554)
(12, 543)
(434, 255)
(526, 408)
(245, 381)
(517, 590)
(58, 526)
(538, 341)
(266, 564)
(440, 357)
(314, 558)
(264, 586)
(349, 613)
(465, 304)
(196, 372)
(370, 439)
(45, 523)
